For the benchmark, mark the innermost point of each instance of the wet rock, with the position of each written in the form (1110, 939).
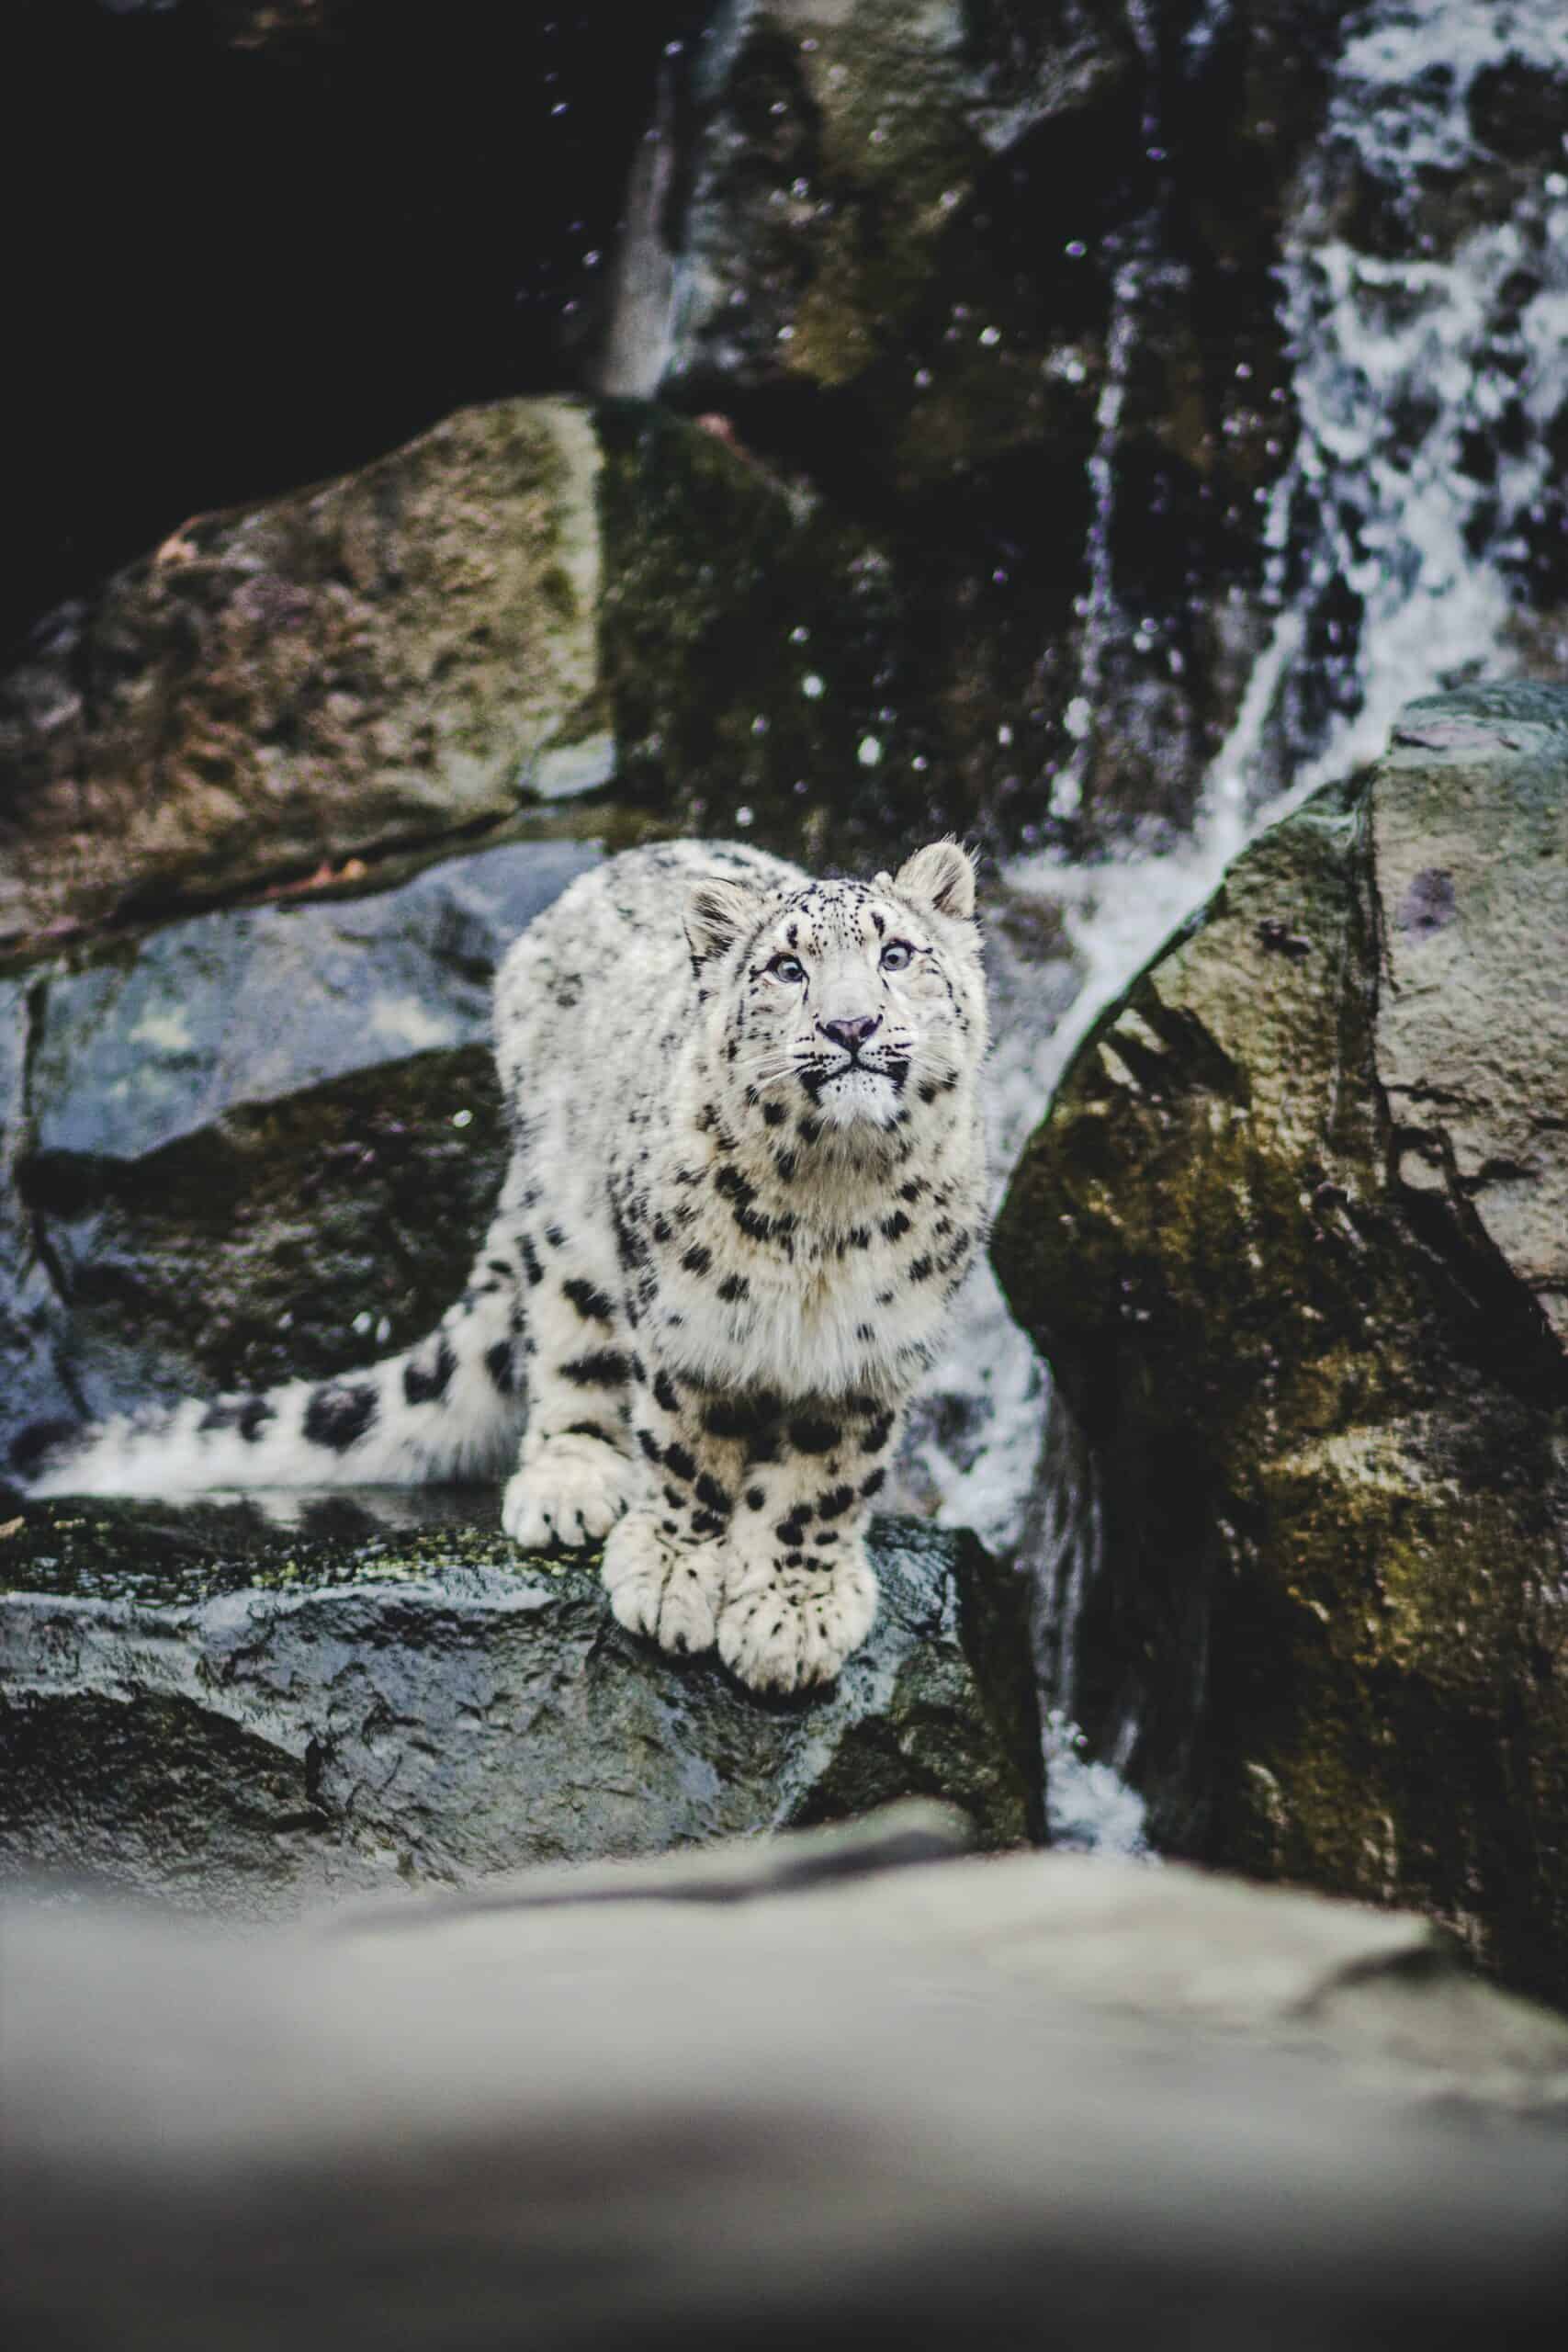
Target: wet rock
(1294, 1238)
(256, 1143)
(248, 1706)
(384, 660)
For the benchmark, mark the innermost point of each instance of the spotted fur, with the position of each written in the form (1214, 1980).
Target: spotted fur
(746, 1181)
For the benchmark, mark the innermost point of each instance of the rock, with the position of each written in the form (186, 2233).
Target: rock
(782, 2093)
(381, 661)
(526, 603)
(1293, 1241)
(256, 1142)
(1008, 279)
(248, 1706)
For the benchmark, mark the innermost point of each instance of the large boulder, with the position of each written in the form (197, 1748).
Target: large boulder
(530, 601)
(384, 659)
(1294, 1238)
(778, 2093)
(246, 1707)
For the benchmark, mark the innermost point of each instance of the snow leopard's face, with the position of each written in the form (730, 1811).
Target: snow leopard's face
(853, 1007)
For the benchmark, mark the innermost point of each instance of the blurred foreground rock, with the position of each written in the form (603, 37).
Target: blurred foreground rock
(245, 1706)
(781, 2094)
(1294, 1238)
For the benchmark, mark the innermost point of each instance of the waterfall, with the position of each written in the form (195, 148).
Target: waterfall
(1426, 384)
(1426, 389)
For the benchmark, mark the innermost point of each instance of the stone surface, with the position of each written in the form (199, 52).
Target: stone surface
(246, 1706)
(782, 2092)
(1293, 1240)
(254, 1143)
(379, 661)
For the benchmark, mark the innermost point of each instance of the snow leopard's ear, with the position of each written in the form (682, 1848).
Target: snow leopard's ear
(940, 876)
(717, 912)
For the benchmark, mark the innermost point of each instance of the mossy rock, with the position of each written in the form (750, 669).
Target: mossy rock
(1293, 1239)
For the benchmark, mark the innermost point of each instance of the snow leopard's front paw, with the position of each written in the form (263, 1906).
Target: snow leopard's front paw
(569, 1489)
(670, 1591)
(784, 1629)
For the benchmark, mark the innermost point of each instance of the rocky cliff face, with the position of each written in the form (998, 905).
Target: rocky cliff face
(1293, 1239)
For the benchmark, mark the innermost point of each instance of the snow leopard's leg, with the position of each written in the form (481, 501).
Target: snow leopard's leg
(576, 1472)
(756, 1540)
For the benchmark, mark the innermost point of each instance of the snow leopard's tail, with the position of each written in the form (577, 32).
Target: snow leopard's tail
(449, 1409)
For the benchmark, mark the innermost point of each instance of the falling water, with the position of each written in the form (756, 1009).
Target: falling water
(1425, 389)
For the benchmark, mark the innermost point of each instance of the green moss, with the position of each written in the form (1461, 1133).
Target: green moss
(1327, 1459)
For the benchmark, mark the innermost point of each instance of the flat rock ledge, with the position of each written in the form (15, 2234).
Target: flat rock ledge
(253, 1706)
(782, 2092)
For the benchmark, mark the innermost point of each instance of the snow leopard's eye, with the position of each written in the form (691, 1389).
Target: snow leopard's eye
(787, 967)
(895, 955)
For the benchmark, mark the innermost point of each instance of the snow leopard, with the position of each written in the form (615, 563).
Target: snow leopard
(746, 1178)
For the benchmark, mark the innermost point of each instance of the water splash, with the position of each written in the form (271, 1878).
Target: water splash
(1426, 384)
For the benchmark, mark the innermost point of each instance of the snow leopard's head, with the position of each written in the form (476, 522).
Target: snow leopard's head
(848, 1008)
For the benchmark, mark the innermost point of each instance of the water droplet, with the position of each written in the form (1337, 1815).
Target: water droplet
(1004, 733)
(922, 379)
(870, 753)
(462, 1118)
(759, 725)
(786, 334)
(363, 1321)
(559, 106)
(919, 763)
(799, 634)
(989, 335)
(950, 196)
(811, 686)
(1077, 718)
(744, 819)
(383, 1331)
(1076, 250)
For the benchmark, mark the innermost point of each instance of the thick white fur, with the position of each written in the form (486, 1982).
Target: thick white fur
(732, 1223)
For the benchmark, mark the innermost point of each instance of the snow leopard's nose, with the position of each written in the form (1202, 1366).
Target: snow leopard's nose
(852, 1035)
